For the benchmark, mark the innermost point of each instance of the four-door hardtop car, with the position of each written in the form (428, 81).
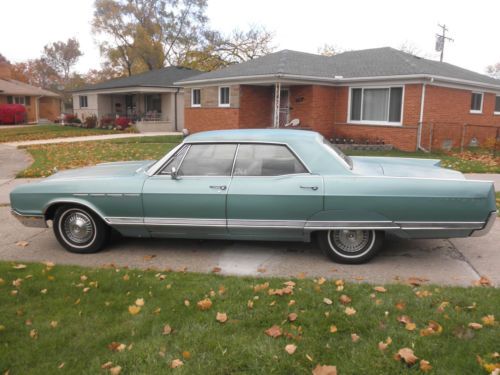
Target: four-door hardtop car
(267, 184)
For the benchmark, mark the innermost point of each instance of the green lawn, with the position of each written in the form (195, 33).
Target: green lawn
(470, 161)
(80, 319)
(50, 131)
(80, 154)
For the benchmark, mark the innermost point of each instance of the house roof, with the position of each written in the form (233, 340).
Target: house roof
(164, 77)
(12, 87)
(369, 63)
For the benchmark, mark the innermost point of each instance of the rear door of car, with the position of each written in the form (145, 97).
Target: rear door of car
(272, 193)
(194, 202)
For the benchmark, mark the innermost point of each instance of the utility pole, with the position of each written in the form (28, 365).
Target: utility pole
(441, 39)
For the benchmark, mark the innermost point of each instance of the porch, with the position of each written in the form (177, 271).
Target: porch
(150, 112)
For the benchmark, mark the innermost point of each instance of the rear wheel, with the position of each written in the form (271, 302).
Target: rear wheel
(350, 246)
(79, 230)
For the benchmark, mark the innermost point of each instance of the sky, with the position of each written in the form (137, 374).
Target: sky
(297, 24)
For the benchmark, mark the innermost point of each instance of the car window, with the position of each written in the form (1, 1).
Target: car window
(266, 160)
(208, 160)
(174, 161)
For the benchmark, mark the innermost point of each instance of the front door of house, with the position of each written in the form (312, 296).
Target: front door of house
(284, 107)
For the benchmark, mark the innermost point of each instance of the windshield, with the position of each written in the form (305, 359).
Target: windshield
(335, 149)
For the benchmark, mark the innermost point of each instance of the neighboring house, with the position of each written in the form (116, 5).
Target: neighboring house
(41, 105)
(376, 94)
(149, 99)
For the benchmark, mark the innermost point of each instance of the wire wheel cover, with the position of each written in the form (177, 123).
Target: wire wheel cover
(78, 227)
(350, 241)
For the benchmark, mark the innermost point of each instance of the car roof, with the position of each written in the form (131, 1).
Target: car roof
(254, 135)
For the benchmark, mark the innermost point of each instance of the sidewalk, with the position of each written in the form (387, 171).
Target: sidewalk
(88, 138)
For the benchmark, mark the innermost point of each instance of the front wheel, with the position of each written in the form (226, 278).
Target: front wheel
(79, 230)
(350, 246)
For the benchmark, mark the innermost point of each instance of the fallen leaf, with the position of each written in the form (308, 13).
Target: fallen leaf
(354, 337)
(53, 324)
(380, 289)
(17, 282)
(85, 290)
(261, 270)
(425, 366)
(321, 281)
(61, 365)
(442, 306)
(126, 277)
(34, 334)
(186, 355)
(250, 304)
(290, 348)
(221, 317)
(327, 301)
(383, 345)
(410, 326)
(475, 326)
(344, 299)
(350, 311)
(204, 304)
(291, 303)
(488, 320)
(167, 330)
(274, 331)
(2, 281)
(259, 287)
(115, 370)
(149, 257)
(117, 347)
(423, 293)
(186, 302)
(400, 305)
(416, 281)
(280, 292)
(157, 311)
(83, 278)
(43, 291)
(333, 328)
(139, 302)
(216, 269)
(107, 365)
(19, 266)
(22, 243)
(406, 354)
(483, 281)
(324, 370)
(134, 310)
(289, 283)
(292, 317)
(2, 328)
(433, 328)
(49, 264)
(404, 319)
(176, 363)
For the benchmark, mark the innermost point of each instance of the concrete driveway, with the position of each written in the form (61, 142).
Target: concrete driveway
(451, 262)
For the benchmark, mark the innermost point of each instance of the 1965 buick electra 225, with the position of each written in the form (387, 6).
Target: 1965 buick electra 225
(263, 184)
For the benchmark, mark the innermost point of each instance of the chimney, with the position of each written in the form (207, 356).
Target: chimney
(5, 70)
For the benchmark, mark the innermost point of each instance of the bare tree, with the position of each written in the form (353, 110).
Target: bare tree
(62, 56)
(494, 70)
(410, 48)
(3, 59)
(329, 50)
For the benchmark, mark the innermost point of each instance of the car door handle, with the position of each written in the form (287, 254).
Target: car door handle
(218, 187)
(309, 187)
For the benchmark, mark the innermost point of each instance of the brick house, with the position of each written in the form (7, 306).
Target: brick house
(41, 105)
(376, 94)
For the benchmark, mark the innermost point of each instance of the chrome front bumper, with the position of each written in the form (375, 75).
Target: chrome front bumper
(32, 221)
(487, 226)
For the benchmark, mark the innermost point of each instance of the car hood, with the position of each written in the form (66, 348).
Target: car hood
(402, 167)
(104, 170)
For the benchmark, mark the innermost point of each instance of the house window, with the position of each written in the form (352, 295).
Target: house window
(476, 102)
(195, 98)
(376, 106)
(223, 96)
(83, 101)
(153, 103)
(24, 100)
(497, 105)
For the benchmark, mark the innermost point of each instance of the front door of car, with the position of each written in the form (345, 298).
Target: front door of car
(192, 203)
(272, 193)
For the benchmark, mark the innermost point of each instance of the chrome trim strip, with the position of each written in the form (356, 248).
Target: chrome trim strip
(487, 226)
(185, 222)
(251, 223)
(124, 221)
(31, 221)
(80, 194)
(440, 225)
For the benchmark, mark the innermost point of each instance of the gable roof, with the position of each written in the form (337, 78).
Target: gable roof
(164, 77)
(12, 87)
(369, 63)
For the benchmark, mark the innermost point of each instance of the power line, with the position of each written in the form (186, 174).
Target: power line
(441, 40)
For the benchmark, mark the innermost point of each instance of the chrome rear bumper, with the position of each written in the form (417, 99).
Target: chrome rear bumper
(32, 221)
(487, 226)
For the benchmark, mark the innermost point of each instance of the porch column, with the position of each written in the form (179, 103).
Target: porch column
(277, 93)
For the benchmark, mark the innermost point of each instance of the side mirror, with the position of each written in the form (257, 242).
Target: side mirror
(174, 174)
